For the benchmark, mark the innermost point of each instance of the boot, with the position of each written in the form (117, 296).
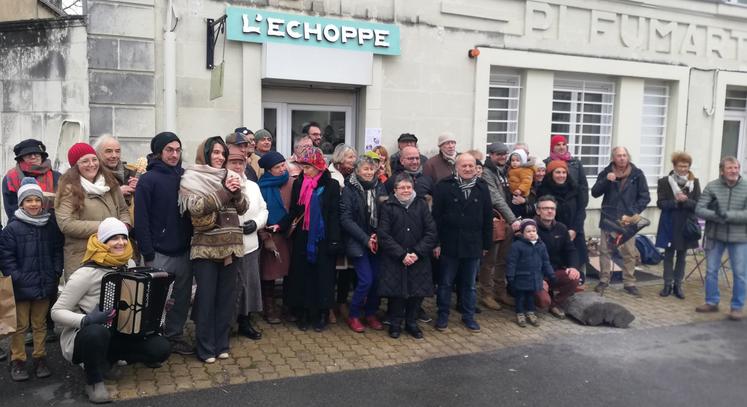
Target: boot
(270, 314)
(505, 299)
(320, 320)
(41, 368)
(667, 290)
(18, 371)
(246, 328)
(678, 292)
(395, 329)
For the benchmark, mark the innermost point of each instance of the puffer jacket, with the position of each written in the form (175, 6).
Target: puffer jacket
(719, 197)
(32, 256)
(527, 264)
(353, 219)
(630, 199)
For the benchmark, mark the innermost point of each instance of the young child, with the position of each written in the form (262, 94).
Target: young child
(31, 253)
(528, 262)
(520, 173)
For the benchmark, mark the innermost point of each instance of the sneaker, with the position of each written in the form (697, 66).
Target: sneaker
(557, 312)
(181, 347)
(97, 393)
(423, 317)
(532, 318)
(707, 308)
(735, 314)
(209, 360)
(18, 371)
(442, 323)
(633, 290)
(41, 368)
(490, 303)
(601, 287)
(356, 325)
(521, 320)
(224, 355)
(374, 323)
(472, 325)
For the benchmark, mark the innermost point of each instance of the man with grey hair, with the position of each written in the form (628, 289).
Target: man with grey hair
(109, 151)
(441, 165)
(626, 196)
(723, 204)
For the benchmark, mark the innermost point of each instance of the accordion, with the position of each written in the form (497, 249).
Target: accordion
(139, 295)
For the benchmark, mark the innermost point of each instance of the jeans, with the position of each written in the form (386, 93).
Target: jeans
(176, 317)
(464, 272)
(524, 301)
(365, 293)
(737, 261)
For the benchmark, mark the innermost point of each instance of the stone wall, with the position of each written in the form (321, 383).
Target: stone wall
(43, 82)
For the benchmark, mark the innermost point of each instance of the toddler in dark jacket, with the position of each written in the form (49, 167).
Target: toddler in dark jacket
(528, 262)
(31, 254)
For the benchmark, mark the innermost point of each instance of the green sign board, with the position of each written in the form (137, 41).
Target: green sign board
(255, 25)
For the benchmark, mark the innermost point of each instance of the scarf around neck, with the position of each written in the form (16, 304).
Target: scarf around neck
(38, 220)
(680, 184)
(42, 173)
(269, 186)
(98, 253)
(98, 187)
(406, 202)
(317, 229)
(369, 191)
(622, 176)
(308, 186)
(466, 185)
(199, 181)
(119, 173)
(564, 157)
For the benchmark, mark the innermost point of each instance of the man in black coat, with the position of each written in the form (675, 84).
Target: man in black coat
(462, 210)
(563, 258)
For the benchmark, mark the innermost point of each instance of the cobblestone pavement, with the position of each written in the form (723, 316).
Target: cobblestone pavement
(285, 351)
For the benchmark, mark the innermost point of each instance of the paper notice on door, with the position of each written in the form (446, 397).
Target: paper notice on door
(373, 138)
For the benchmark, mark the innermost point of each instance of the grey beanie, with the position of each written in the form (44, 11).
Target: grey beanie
(28, 188)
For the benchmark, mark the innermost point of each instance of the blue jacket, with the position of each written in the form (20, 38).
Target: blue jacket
(353, 218)
(527, 264)
(159, 227)
(32, 256)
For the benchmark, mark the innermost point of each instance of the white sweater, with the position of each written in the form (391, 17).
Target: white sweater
(256, 211)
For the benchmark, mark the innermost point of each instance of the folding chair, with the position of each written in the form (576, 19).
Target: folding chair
(700, 252)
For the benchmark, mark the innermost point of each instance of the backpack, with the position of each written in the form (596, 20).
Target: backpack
(647, 250)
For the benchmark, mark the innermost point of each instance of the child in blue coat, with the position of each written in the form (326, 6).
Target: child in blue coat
(31, 254)
(528, 262)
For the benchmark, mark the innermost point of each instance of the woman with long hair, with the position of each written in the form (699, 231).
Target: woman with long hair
(212, 196)
(385, 167)
(88, 193)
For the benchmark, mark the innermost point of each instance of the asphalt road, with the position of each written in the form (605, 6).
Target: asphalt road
(693, 365)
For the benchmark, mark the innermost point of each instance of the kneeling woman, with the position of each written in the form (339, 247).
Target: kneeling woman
(84, 338)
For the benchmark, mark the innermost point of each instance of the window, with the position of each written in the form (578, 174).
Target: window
(503, 107)
(653, 130)
(736, 99)
(582, 111)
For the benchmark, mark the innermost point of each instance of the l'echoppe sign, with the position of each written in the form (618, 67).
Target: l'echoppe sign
(254, 25)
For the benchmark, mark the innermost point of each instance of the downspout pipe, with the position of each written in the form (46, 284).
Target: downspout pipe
(169, 69)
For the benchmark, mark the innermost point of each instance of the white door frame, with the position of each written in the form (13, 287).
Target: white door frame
(284, 143)
(741, 117)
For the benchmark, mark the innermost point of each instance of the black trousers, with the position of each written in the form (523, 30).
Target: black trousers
(404, 308)
(214, 306)
(97, 347)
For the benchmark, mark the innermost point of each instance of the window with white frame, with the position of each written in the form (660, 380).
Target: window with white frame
(736, 99)
(503, 107)
(582, 110)
(653, 129)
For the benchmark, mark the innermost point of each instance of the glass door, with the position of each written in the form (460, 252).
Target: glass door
(286, 122)
(733, 139)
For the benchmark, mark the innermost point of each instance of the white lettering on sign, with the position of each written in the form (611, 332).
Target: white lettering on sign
(332, 33)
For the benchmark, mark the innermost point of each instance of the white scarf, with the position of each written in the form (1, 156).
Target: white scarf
(200, 180)
(98, 187)
(676, 189)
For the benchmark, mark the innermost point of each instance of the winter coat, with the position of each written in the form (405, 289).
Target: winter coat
(577, 173)
(438, 168)
(497, 191)
(80, 225)
(629, 200)
(559, 245)
(465, 226)
(256, 211)
(521, 178)
(401, 231)
(423, 184)
(571, 205)
(271, 267)
(731, 201)
(354, 219)
(310, 285)
(10, 198)
(32, 256)
(527, 264)
(159, 227)
(674, 215)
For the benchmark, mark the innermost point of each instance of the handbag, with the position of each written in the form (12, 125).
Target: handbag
(8, 320)
(691, 230)
(499, 227)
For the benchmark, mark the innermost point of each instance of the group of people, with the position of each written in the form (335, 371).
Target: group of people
(249, 227)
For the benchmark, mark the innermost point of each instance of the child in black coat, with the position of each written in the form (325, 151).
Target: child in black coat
(527, 263)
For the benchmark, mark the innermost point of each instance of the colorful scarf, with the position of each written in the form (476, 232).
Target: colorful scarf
(317, 231)
(564, 157)
(304, 198)
(42, 173)
(269, 186)
(98, 253)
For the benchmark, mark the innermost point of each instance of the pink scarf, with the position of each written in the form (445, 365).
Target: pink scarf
(565, 156)
(307, 189)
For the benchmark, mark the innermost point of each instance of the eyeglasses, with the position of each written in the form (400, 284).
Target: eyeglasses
(169, 150)
(412, 158)
(546, 208)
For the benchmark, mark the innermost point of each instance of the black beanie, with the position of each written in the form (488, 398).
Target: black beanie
(161, 139)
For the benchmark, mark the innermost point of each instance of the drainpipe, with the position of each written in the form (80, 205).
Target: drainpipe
(169, 68)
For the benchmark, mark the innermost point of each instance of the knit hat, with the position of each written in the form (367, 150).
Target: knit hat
(234, 153)
(77, 151)
(109, 228)
(312, 156)
(270, 159)
(522, 155)
(555, 164)
(497, 148)
(525, 223)
(557, 139)
(28, 188)
(445, 137)
(539, 164)
(161, 139)
(30, 146)
(262, 133)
